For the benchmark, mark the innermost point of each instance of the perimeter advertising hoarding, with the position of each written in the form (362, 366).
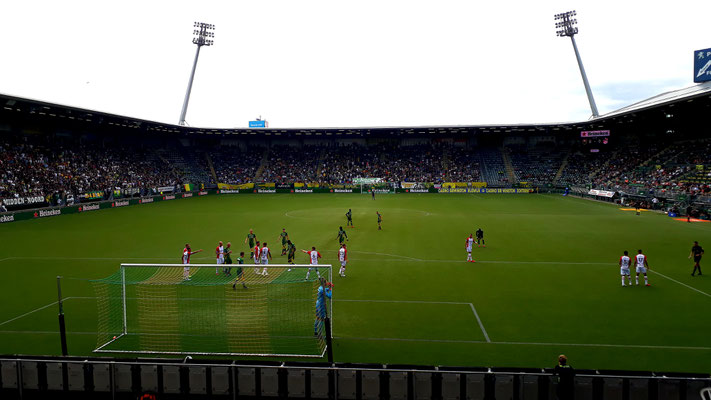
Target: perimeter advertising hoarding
(702, 65)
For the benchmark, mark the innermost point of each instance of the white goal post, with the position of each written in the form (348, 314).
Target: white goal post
(215, 309)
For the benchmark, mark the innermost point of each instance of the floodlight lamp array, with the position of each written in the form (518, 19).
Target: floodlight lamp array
(203, 33)
(565, 24)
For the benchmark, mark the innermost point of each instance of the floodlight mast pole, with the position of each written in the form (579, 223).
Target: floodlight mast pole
(565, 24)
(203, 33)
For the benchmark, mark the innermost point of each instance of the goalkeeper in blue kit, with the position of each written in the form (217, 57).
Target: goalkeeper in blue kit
(324, 291)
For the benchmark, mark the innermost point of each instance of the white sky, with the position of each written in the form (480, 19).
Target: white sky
(305, 63)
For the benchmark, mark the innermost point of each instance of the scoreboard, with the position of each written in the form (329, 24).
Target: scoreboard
(594, 141)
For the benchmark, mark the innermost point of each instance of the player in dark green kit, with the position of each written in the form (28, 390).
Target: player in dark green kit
(291, 252)
(342, 235)
(251, 237)
(284, 239)
(480, 238)
(228, 259)
(240, 276)
(380, 219)
(349, 218)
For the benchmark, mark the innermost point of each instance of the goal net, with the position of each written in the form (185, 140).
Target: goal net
(154, 309)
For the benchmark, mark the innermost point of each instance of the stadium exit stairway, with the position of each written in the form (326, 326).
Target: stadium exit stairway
(507, 164)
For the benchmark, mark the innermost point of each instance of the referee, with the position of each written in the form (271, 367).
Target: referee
(696, 251)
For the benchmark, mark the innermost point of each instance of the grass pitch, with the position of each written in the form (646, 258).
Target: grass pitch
(547, 282)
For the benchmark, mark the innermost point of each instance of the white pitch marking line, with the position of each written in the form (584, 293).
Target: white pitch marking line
(481, 325)
(640, 346)
(681, 283)
(40, 309)
(5, 259)
(400, 301)
(28, 313)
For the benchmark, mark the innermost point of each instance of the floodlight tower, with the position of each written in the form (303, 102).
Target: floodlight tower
(565, 23)
(203, 37)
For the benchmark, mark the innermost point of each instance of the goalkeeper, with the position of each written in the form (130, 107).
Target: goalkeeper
(324, 291)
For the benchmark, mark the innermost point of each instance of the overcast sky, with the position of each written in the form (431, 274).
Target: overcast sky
(304, 63)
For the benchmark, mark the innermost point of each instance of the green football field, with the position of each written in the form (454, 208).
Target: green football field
(546, 283)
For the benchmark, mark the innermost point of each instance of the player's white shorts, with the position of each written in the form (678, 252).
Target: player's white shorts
(343, 263)
(641, 270)
(624, 271)
(256, 260)
(469, 249)
(186, 269)
(221, 260)
(265, 261)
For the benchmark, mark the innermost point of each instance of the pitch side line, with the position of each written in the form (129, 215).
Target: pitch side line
(640, 346)
(681, 283)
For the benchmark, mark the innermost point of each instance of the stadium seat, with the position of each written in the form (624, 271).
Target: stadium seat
(347, 384)
(370, 385)
(9, 374)
(296, 383)
(398, 385)
(197, 380)
(123, 380)
(423, 385)
(475, 387)
(149, 378)
(583, 388)
(102, 377)
(75, 376)
(220, 380)
(30, 378)
(693, 388)
(504, 387)
(613, 388)
(319, 384)
(669, 389)
(171, 379)
(639, 389)
(54, 376)
(529, 387)
(451, 386)
(269, 384)
(246, 385)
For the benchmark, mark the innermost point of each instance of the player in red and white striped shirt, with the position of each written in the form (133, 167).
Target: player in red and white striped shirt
(266, 255)
(625, 263)
(314, 256)
(343, 258)
(256, 251)
(642, 266)
(468, 244)
(220, 256)
(187, 252)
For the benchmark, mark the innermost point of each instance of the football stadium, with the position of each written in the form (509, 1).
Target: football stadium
(444, 261)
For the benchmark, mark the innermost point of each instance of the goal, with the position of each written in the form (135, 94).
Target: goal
(153, 309)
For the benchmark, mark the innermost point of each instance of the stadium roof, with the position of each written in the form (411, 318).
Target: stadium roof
(18, 106)
(674, 96)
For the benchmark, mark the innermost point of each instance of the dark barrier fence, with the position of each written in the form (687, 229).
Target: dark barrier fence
(80, 378)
